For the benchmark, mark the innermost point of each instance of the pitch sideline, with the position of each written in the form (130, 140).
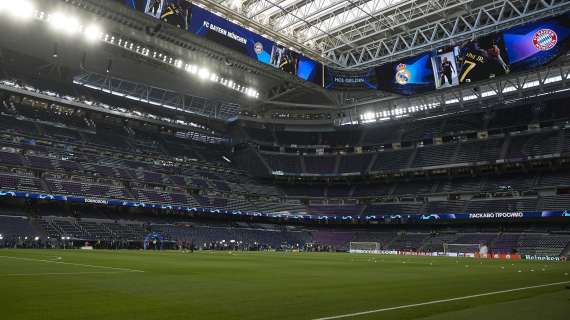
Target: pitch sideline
(362, 313)
(73, 264)
(10, 275)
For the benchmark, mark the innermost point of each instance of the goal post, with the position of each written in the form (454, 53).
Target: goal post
(364, 247)
(461, 248)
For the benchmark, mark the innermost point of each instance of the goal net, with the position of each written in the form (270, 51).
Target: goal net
(364, 247)
(461, 248)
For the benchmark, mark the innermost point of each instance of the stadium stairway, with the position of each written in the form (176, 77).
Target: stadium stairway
(391, 242)
(303, 165)
(505, 148)
(411, 159)
(371, 164)
(456, 153)
(336, 164)
(566, 251)
(561, 141)
(351, 193)
(45, 186)
(263, 161)
(35, 223)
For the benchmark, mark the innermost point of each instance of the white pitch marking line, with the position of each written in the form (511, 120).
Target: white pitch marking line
(356, 314)
(59, 273)
(72, 264)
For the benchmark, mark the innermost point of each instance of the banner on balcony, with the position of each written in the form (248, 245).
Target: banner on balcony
(291, 216)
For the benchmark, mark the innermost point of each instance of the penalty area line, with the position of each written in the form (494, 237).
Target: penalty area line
(72, 264)
(363, 313)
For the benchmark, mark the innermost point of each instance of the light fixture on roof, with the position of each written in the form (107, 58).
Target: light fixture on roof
(204, 73)
(20, 9)
(93, 33)
(64, 23)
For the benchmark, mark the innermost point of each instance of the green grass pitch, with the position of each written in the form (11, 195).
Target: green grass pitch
(46, 285)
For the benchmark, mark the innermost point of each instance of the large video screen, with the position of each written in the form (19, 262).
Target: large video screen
(517, 49)
(346, 80)
(184, 15)
(310, 70)
(407, 77)
(445, 65)
(483, 59)
(217, 29)
(534, 45)
(221, 31)
(174, 12)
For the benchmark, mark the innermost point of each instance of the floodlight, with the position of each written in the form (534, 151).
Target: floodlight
(25, 8)
(60, 21)
(193, 69)
(204, 73)
(57, 20)
(93, 33)
(73, 26)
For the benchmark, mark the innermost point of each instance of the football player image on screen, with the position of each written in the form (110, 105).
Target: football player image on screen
(175, 14)
(276, 56)
(445, 69)
(482, 59)
(289, 62)
(154, 8)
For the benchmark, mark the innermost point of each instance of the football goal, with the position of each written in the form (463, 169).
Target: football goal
(461, 248)
(364, 247)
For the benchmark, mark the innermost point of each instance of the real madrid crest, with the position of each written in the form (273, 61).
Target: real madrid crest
(402, 75)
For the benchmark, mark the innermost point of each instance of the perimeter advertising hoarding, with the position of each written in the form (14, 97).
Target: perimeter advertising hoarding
(290, 216)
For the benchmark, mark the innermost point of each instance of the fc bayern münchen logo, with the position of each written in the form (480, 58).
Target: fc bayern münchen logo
(258, 47)
(545, 39)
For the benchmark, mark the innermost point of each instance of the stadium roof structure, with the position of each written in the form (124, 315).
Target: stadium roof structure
(356, 34)
(347, 34)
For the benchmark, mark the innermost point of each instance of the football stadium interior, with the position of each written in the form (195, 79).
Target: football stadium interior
(284, 159)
